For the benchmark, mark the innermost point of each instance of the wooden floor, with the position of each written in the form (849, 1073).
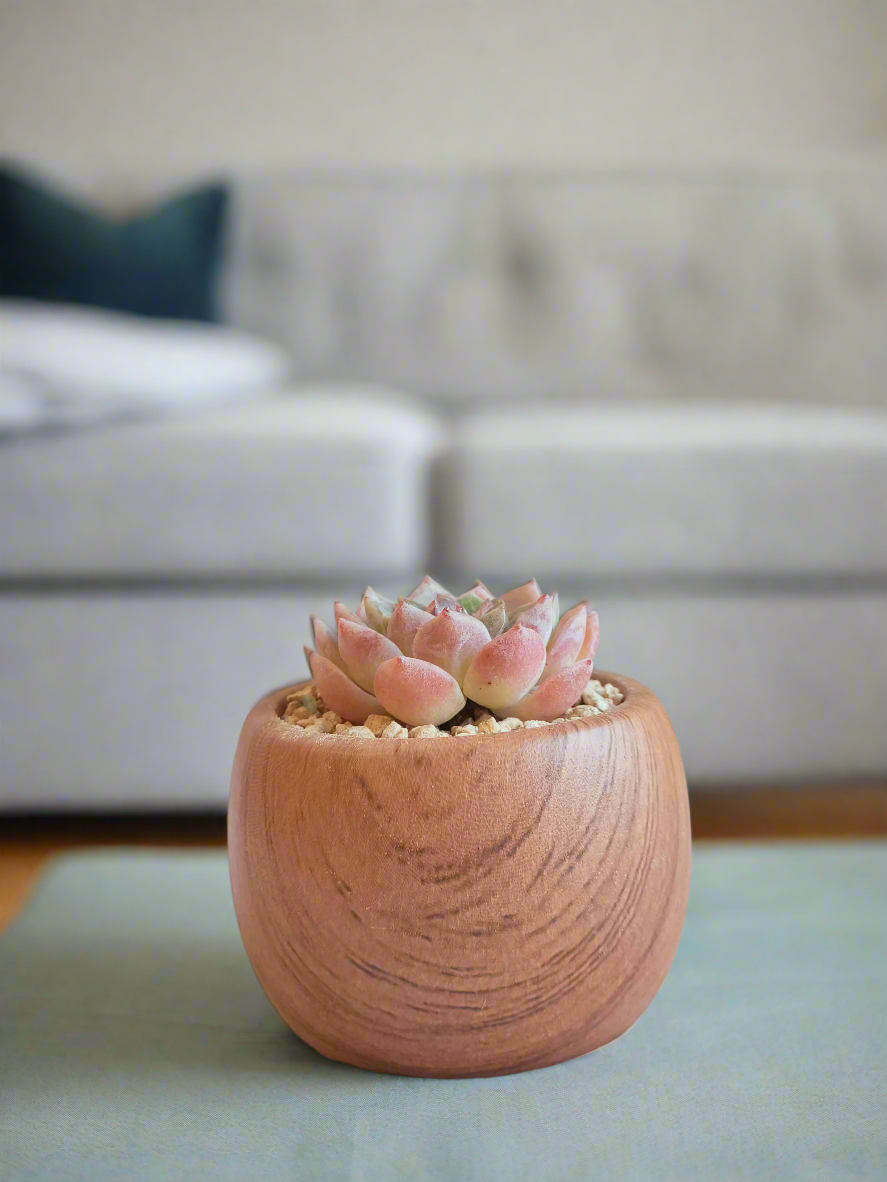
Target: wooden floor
(834, 812)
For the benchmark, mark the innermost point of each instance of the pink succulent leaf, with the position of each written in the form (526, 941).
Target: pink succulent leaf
(341, 612)
(406, 620)
(444, 603)
(540, 616)
(472, 599)
(592, 637)
(451, 641)
(505, 668)
(376, 610)
(553, 697)
(363, 651)
(427, 591)
(360, 613)
(566, 640)
(521, 596)
(339, 692)
(494, 618)
(417, 693)
(325, 642)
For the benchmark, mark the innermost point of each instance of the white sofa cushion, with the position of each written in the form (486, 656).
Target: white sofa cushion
(80, 365)
(702, 489)
(321, 481)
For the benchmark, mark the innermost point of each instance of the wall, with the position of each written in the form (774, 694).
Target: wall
(114, 87)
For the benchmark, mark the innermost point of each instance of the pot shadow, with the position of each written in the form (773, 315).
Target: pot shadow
(150, 1006)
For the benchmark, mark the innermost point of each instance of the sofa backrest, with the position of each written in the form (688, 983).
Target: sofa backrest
(764, 286)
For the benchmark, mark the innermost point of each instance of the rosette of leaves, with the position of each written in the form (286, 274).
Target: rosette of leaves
(423, 658)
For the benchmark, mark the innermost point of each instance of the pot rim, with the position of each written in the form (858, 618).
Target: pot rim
(634, 694)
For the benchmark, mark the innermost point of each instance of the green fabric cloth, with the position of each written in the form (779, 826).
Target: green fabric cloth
(165, 262)
(136, 1045)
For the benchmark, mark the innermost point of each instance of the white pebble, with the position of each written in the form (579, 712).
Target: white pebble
(597, 699)
(581, 712)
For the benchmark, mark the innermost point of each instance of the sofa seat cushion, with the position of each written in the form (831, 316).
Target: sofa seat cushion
(320, 481)
(683, 489)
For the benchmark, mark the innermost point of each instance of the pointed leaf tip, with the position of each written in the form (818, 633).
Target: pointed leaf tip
(553, 697)
(406, 620)
(363, 651)
(377, 610)
(325, 642)
(539, 616)
(493, 616)
(566, 639)
(339, 692)
(444, 603)
(592, 637)
(505, 668)
(417, 693)
(521, 596)
(341, 612)
(472, 599)
(451, 641)
(426, 592)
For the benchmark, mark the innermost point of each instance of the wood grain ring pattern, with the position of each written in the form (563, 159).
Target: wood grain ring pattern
(461, 906)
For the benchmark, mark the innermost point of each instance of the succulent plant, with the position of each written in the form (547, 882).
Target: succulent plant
(421, 658)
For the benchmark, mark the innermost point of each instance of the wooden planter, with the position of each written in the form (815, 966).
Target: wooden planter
(461, 906)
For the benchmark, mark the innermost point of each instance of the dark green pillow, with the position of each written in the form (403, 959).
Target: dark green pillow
(163, 263)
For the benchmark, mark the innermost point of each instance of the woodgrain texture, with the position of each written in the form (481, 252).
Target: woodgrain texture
(469, 906)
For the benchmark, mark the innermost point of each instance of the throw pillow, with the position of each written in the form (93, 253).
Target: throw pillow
(164, 262)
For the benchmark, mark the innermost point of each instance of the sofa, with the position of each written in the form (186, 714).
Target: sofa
(668, 394)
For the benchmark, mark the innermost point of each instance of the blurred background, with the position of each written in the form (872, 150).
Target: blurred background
(300, 295)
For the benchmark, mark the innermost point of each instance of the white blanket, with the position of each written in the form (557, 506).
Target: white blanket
(64, 366)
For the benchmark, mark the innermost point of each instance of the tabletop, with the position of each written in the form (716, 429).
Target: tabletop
(136, 1044)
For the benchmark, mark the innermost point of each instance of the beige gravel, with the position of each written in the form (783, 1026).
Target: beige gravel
(306, 711)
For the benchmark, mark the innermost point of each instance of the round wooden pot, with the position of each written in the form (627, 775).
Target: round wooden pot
(461, 906)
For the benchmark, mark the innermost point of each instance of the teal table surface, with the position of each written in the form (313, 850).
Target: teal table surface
(136, 1044)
